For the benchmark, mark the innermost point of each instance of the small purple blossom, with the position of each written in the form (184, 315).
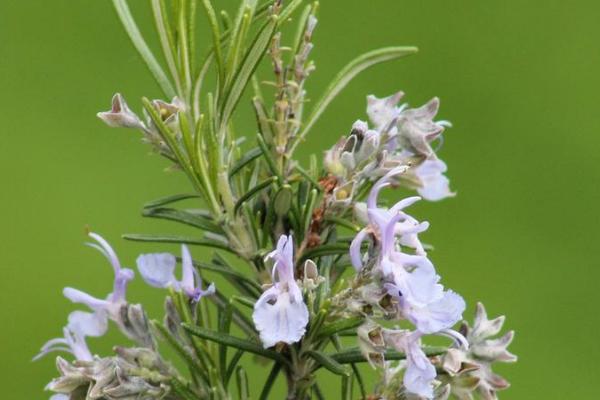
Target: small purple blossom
(280, 314)
(116, 299)
(158, 270)
(387, 226)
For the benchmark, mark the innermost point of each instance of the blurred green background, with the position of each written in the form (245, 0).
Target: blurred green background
(518, 79)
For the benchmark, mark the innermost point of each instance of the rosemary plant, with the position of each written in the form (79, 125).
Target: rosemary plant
(309, 252)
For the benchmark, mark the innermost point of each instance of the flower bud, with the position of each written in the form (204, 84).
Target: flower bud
(120, 116)
(342, 195)
(371, 343)
(311, 278)
(416, 128)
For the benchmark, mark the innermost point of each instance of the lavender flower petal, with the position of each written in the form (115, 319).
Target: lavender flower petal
(157, 269)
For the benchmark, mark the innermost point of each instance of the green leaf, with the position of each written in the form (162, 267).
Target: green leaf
(229, 273)
(170, 199)
(252, 192)
(184, 217)
(247, 67)
(180, 350)
(245, 301)
(167, 40)
(282, 202)
(342, 222)
(318, 393)
(329, 363)
(354, 355)
(242, 383)
(307, 175)
(247, 158)
(308, 209)
(346, 75)
(346, 391)
(214, 28)
(138, 41)
(182, 390)
(289, 10)
(262, 116)
(340, 325)
(325, 250)
(225, 316)
(239, 318)
(271, 163)
(232, 364)
(361, 384)
(238, 33)
(238, 343)
(264, 395)
(177, 239)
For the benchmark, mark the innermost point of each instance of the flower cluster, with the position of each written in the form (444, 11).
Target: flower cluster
(400, 136)
(282, 238)
(82, 324)
(410, 279)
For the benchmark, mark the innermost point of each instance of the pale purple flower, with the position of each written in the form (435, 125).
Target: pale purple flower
(388, 225)
(80, 325)
(109, 307)
(158, 270)
(434, 185)
(59, 397)
(120, 116)
(420, 372)
(411, 278)
(280, 314)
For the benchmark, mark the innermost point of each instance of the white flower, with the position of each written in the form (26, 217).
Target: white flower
(110, 306)
(434, 184)
(280, 314)
(420, 372)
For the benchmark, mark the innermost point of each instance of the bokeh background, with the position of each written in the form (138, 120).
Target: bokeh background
(518, 79)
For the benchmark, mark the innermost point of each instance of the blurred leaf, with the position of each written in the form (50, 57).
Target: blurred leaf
(170, 199)
(346, 75)
(228, 273)
(242, 383)
(240, 319)
(184, 217)
(264, 395)
(354, 355)
(252, 192)
(181, 350)
(325, 250)
(232, 364)
(232, 341)
(138, 41)
(247, 158)
(251, 60)
(340, 325)
(216, 34)
(329, 363)
(177, 239)
(271, 163)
